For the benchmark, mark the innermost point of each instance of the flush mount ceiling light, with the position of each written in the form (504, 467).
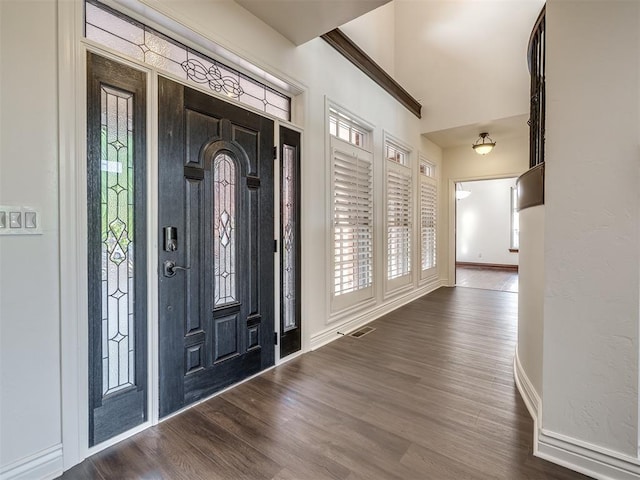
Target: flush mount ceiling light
(461, 192)
(484, 144)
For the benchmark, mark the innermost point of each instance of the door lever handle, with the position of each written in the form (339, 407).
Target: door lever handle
(169, 268)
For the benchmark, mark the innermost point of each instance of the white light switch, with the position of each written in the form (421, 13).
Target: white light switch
(19, 220)
(15, 219)
(30, 220)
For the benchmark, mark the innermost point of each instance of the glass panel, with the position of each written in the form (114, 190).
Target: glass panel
(344, 131)
(117, 199)
(395, 155)
(224, 229)
(289, 239)
(333, 126)
(427, 169)
(134, 39)
(277, 99)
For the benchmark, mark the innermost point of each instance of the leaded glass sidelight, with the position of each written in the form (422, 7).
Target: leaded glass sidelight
(224, 229)
(117, 247)
(289, 240)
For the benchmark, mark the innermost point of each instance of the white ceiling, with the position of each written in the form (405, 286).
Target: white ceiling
(465, 61)
(501, 129)
(302, 20)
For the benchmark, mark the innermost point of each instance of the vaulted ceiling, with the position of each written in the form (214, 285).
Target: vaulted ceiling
(301, 20)
(463, 60)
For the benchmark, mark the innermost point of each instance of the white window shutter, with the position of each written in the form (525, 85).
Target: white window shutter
(352, 220)
(428, 196)
(398, 223)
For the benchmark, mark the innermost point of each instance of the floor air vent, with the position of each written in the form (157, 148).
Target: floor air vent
(361, 332)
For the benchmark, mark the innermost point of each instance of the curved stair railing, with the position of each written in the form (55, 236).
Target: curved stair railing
(531, 183)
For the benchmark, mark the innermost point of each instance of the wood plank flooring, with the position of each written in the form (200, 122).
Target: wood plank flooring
(488, 279)
(428, 395)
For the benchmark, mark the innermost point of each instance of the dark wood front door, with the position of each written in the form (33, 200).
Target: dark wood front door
(216, 260)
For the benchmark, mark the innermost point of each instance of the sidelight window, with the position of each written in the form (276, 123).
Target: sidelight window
(289, 233)
(117, 218)
(116, 247)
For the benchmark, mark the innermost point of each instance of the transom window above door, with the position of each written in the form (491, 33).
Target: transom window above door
(129, 37)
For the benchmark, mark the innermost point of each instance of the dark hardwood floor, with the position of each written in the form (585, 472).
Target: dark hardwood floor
(428, 395)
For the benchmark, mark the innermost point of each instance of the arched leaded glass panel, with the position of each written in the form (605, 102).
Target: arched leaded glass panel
(224, 229)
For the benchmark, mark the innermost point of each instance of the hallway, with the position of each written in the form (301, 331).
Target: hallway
(428, 395)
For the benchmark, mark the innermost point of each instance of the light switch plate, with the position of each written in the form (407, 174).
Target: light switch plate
(15, 219)
(20, 220)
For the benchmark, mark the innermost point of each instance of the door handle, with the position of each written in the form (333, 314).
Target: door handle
(169, 268)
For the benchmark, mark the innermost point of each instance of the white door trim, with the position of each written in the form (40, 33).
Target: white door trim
(72, 49)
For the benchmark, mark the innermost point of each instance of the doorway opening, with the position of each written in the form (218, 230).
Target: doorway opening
(486, 240)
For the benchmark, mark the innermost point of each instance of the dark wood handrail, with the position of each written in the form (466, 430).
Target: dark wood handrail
(536, 59)
(343, 44)
(539, 25)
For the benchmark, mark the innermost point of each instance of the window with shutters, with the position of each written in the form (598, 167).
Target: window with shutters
(352, 209)
(398, 215)
(428, 205)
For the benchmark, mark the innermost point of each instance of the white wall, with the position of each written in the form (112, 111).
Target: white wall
(483, 223)
(467, 72)
(592, 220)
(510, 158)
(375, 33)
(29, 310)
(531, 294)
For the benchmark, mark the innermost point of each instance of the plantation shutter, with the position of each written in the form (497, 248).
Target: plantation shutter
(428, 224)
(352, 219)
(398, 223)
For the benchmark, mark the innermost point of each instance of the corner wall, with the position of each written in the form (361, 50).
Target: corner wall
(531, 295)
(592, 224)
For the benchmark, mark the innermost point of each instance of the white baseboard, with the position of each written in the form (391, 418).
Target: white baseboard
(44, 465)
(352, 323)
(583, 457)
(592, 460)
(529, 396)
